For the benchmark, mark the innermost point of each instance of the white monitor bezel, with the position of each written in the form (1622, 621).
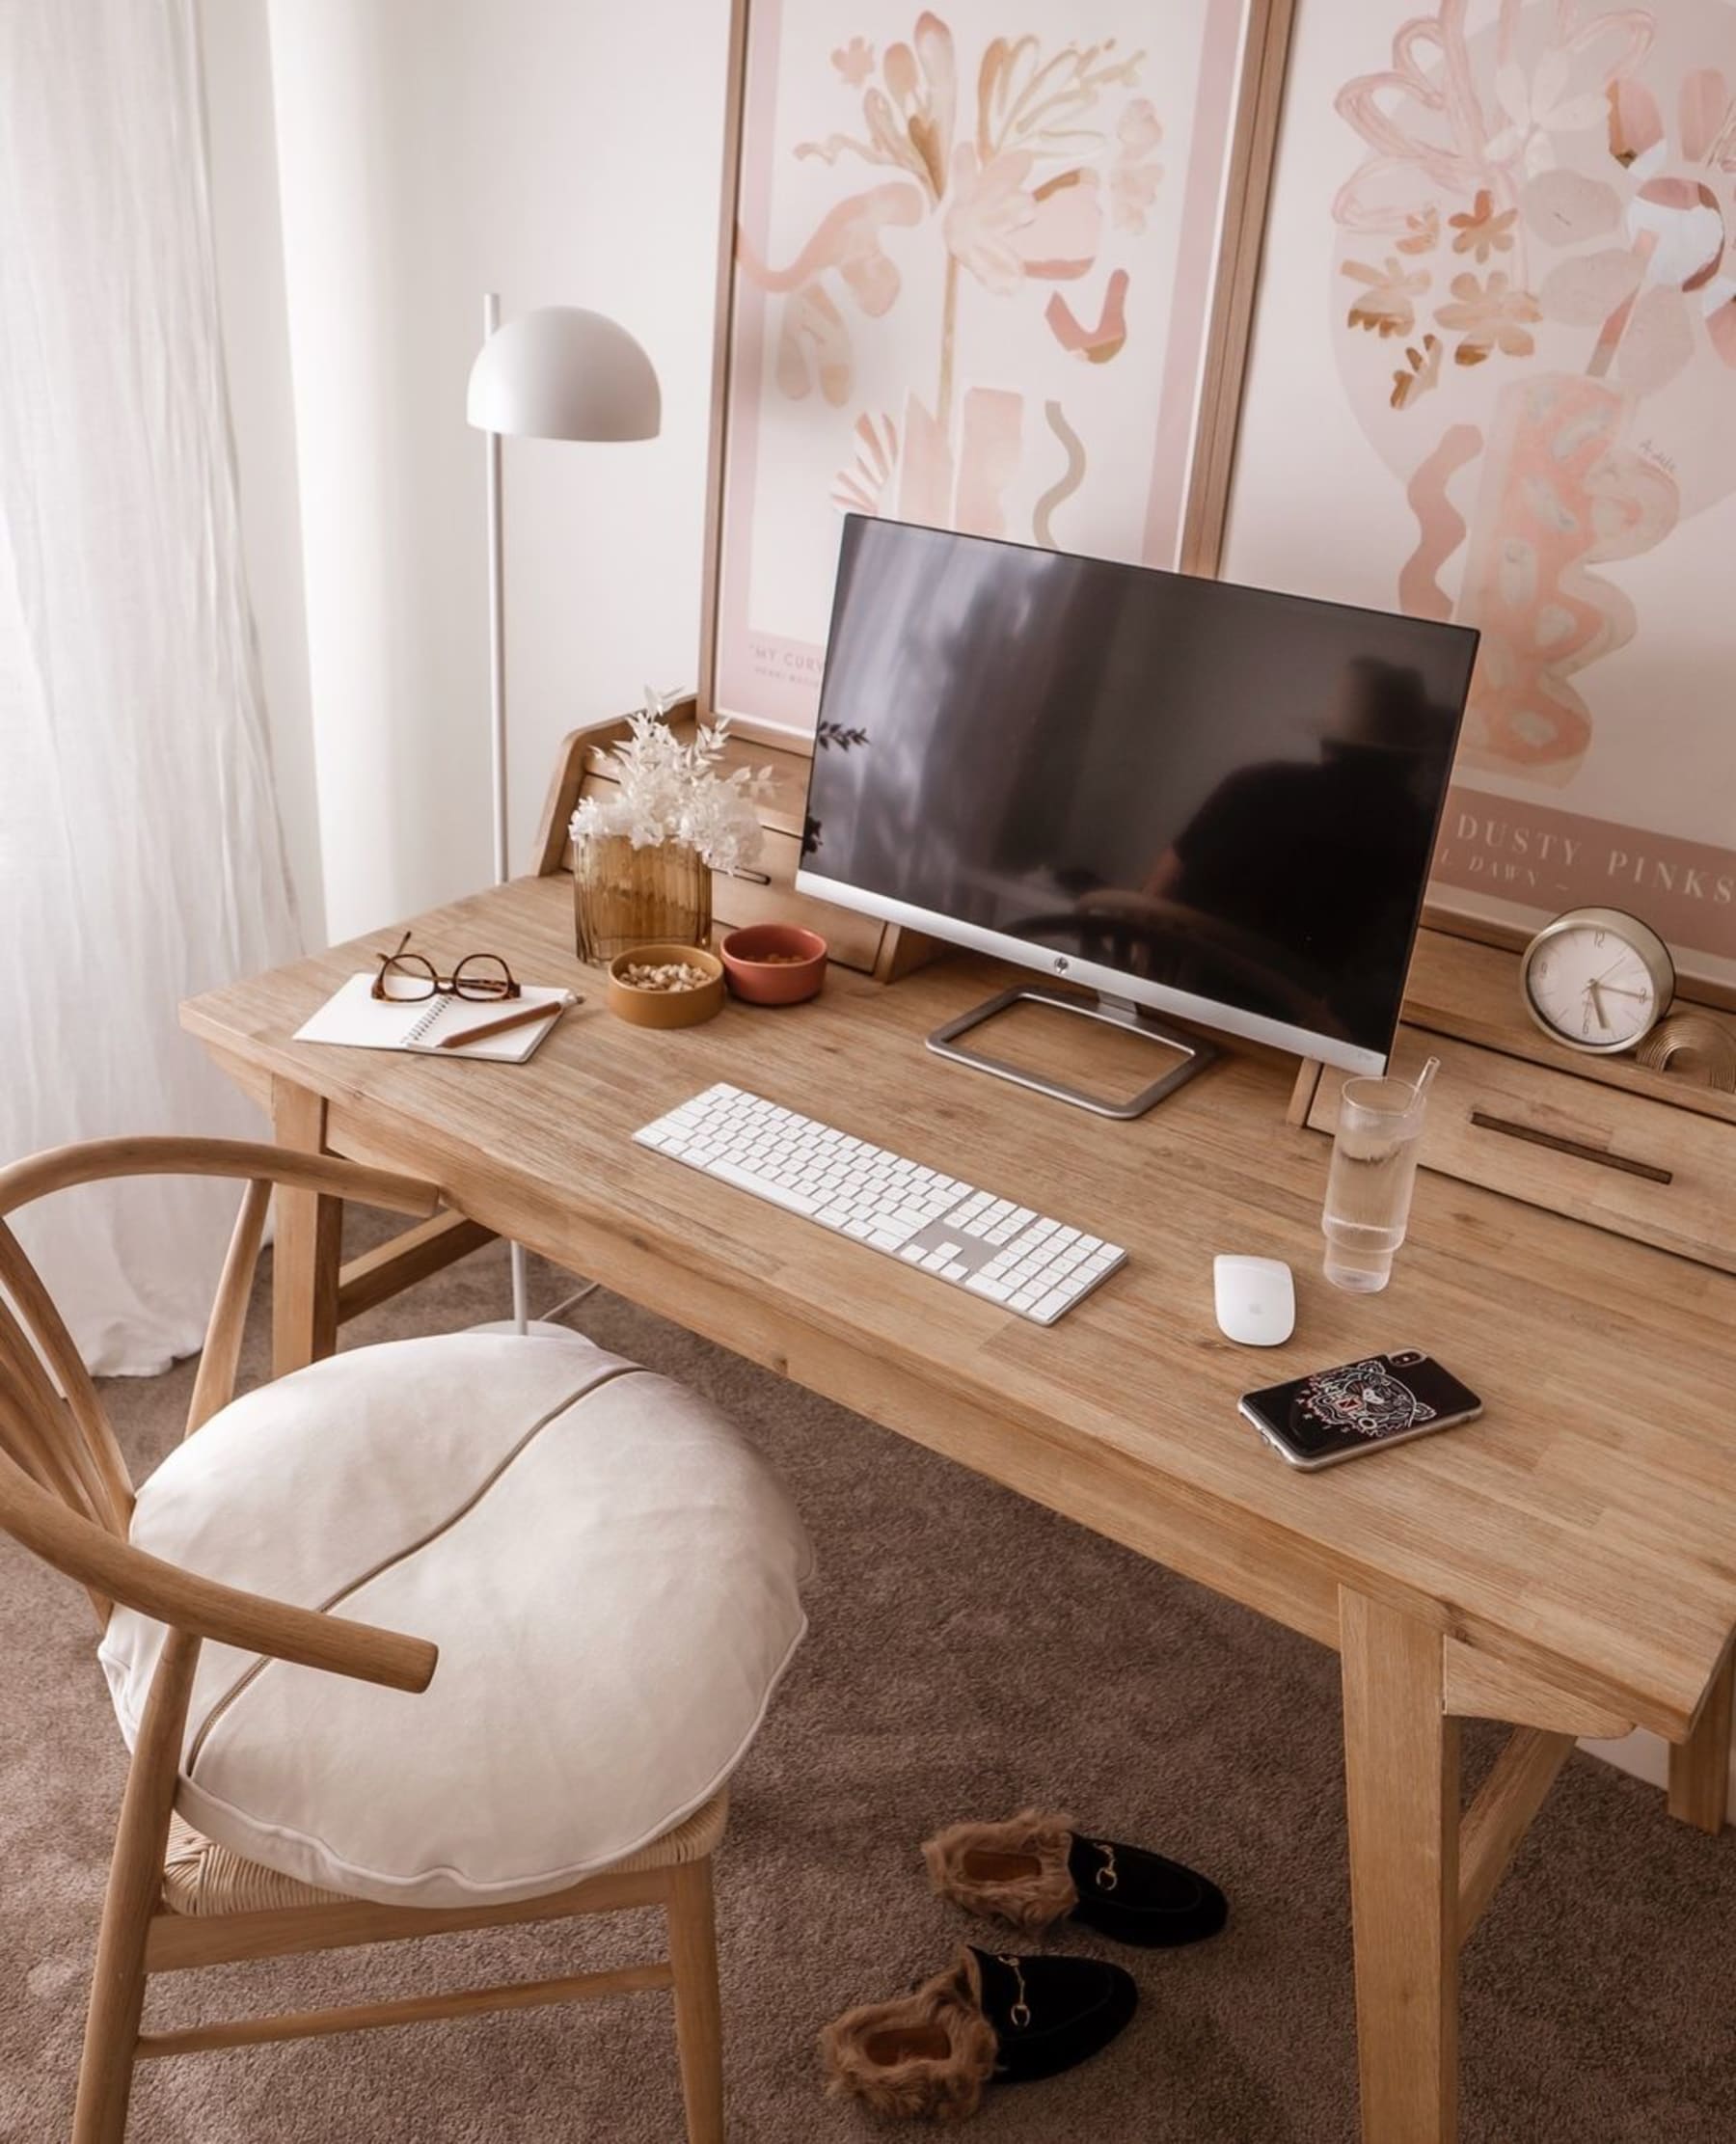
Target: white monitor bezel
(1112, 981)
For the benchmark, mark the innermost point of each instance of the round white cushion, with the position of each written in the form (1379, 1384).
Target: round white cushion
(611, 1574)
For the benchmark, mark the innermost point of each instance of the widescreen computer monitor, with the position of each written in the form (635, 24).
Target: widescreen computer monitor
(1207, 799)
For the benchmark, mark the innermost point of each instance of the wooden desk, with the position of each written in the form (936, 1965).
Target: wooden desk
(1568, 1563)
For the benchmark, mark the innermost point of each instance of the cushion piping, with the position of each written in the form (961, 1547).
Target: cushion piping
(257, 1667)
(199, 1807)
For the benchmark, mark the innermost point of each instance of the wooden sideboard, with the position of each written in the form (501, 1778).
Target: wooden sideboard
(1646, 1154)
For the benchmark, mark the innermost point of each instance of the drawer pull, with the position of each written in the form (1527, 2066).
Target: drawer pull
(1581, 1148)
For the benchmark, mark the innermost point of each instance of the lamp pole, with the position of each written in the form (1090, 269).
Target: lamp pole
(497, 681)
(554, 372)
(497, 619)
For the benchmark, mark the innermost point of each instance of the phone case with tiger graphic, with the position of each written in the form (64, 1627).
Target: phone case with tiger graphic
(1359, 1407)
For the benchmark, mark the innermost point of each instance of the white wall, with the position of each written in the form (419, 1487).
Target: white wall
(242, 145)
(559, 153)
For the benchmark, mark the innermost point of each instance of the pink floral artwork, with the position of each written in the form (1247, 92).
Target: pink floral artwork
(1011, 185)
(1534, 309)
(974, 260)
(1097, 343)
(1566, 495)
(855, 62)
(1013, 190)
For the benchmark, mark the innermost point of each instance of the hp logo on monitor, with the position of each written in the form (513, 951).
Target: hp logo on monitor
(1061, 963)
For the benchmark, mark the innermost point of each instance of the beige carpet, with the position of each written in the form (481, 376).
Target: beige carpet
(969, 1652)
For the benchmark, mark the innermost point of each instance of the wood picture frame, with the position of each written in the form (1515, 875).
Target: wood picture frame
(1254, 91)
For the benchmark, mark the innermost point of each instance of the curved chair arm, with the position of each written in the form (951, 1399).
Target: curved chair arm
(97, 1457)
(160, 1155)
(99, 1556)
(112, 1567)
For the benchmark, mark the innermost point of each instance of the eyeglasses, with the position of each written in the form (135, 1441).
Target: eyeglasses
(404, 977)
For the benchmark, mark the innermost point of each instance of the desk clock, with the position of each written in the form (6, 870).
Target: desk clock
(1597, 980)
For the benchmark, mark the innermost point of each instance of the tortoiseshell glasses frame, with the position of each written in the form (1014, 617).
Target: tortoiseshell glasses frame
(407, 977)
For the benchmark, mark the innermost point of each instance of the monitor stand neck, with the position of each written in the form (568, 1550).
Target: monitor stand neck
(1116, 1012)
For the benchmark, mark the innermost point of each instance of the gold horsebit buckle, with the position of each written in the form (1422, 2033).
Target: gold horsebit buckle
(1107, 1878)
(1020, 2013)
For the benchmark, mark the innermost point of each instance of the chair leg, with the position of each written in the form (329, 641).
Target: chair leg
(698, 2014)
(135, 1887)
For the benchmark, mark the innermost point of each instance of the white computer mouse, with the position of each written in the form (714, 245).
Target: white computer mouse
(1255, 1299)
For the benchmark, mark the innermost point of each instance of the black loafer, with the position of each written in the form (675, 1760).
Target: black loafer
(991, 2018)
(1051, 2014)
(1035, 1870)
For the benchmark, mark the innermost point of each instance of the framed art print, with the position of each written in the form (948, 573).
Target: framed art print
(988, 266)
(1493, 378)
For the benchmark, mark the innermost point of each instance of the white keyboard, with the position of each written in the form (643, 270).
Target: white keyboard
(991, 1247)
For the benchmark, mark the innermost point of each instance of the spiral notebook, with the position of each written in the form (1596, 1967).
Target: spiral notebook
(356, 1019)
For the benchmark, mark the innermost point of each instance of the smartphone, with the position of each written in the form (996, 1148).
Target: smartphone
(1359, 1407)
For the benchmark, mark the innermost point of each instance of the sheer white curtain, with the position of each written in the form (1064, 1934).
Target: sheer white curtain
(140, 852)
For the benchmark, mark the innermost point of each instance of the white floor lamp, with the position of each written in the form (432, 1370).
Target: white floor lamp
(559, 373)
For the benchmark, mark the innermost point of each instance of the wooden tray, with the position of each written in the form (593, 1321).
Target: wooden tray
(1602, 1140)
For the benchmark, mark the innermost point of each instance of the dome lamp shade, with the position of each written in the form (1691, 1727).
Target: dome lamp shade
(563, 372)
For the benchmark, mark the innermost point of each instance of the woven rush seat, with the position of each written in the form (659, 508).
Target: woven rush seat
(201, 1877)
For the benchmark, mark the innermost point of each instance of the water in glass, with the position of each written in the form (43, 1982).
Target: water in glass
(1368, 1191)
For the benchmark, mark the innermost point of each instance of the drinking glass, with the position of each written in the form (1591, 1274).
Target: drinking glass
(1368, 1191)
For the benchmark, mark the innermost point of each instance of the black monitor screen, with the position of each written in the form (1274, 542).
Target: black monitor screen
(1221, 791)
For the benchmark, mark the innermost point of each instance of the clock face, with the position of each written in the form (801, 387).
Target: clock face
(1591, 983)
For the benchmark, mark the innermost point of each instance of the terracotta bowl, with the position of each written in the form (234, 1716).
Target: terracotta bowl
(648, 1007)
(775, 964)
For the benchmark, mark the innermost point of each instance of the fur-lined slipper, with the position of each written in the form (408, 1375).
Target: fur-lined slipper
(1035, 1869)
(986, 2019)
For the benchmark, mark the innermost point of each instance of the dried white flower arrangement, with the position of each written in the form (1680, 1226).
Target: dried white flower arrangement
(669, 791)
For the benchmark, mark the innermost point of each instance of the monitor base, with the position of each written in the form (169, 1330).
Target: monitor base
(1118, 1011)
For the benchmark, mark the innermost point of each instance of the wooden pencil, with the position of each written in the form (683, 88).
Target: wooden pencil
(520, 1018)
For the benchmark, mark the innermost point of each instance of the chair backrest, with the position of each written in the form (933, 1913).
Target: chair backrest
(56, 1441)
(60, 1438)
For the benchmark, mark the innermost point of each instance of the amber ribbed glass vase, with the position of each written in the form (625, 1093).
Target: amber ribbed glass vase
(623, 896)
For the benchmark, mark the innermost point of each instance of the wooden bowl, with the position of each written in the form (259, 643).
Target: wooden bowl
(775, 964)
(647, 1008)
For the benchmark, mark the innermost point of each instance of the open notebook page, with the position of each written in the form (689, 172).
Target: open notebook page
(355, 1018)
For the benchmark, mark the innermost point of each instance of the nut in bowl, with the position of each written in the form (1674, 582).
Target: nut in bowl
(775, 964)
(665, 986)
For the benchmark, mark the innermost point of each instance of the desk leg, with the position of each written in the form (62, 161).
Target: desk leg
(1700, 1768)
(307, 1243)
(1401, 1776)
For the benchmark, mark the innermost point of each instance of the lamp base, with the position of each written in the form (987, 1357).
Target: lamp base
(535, 1328)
